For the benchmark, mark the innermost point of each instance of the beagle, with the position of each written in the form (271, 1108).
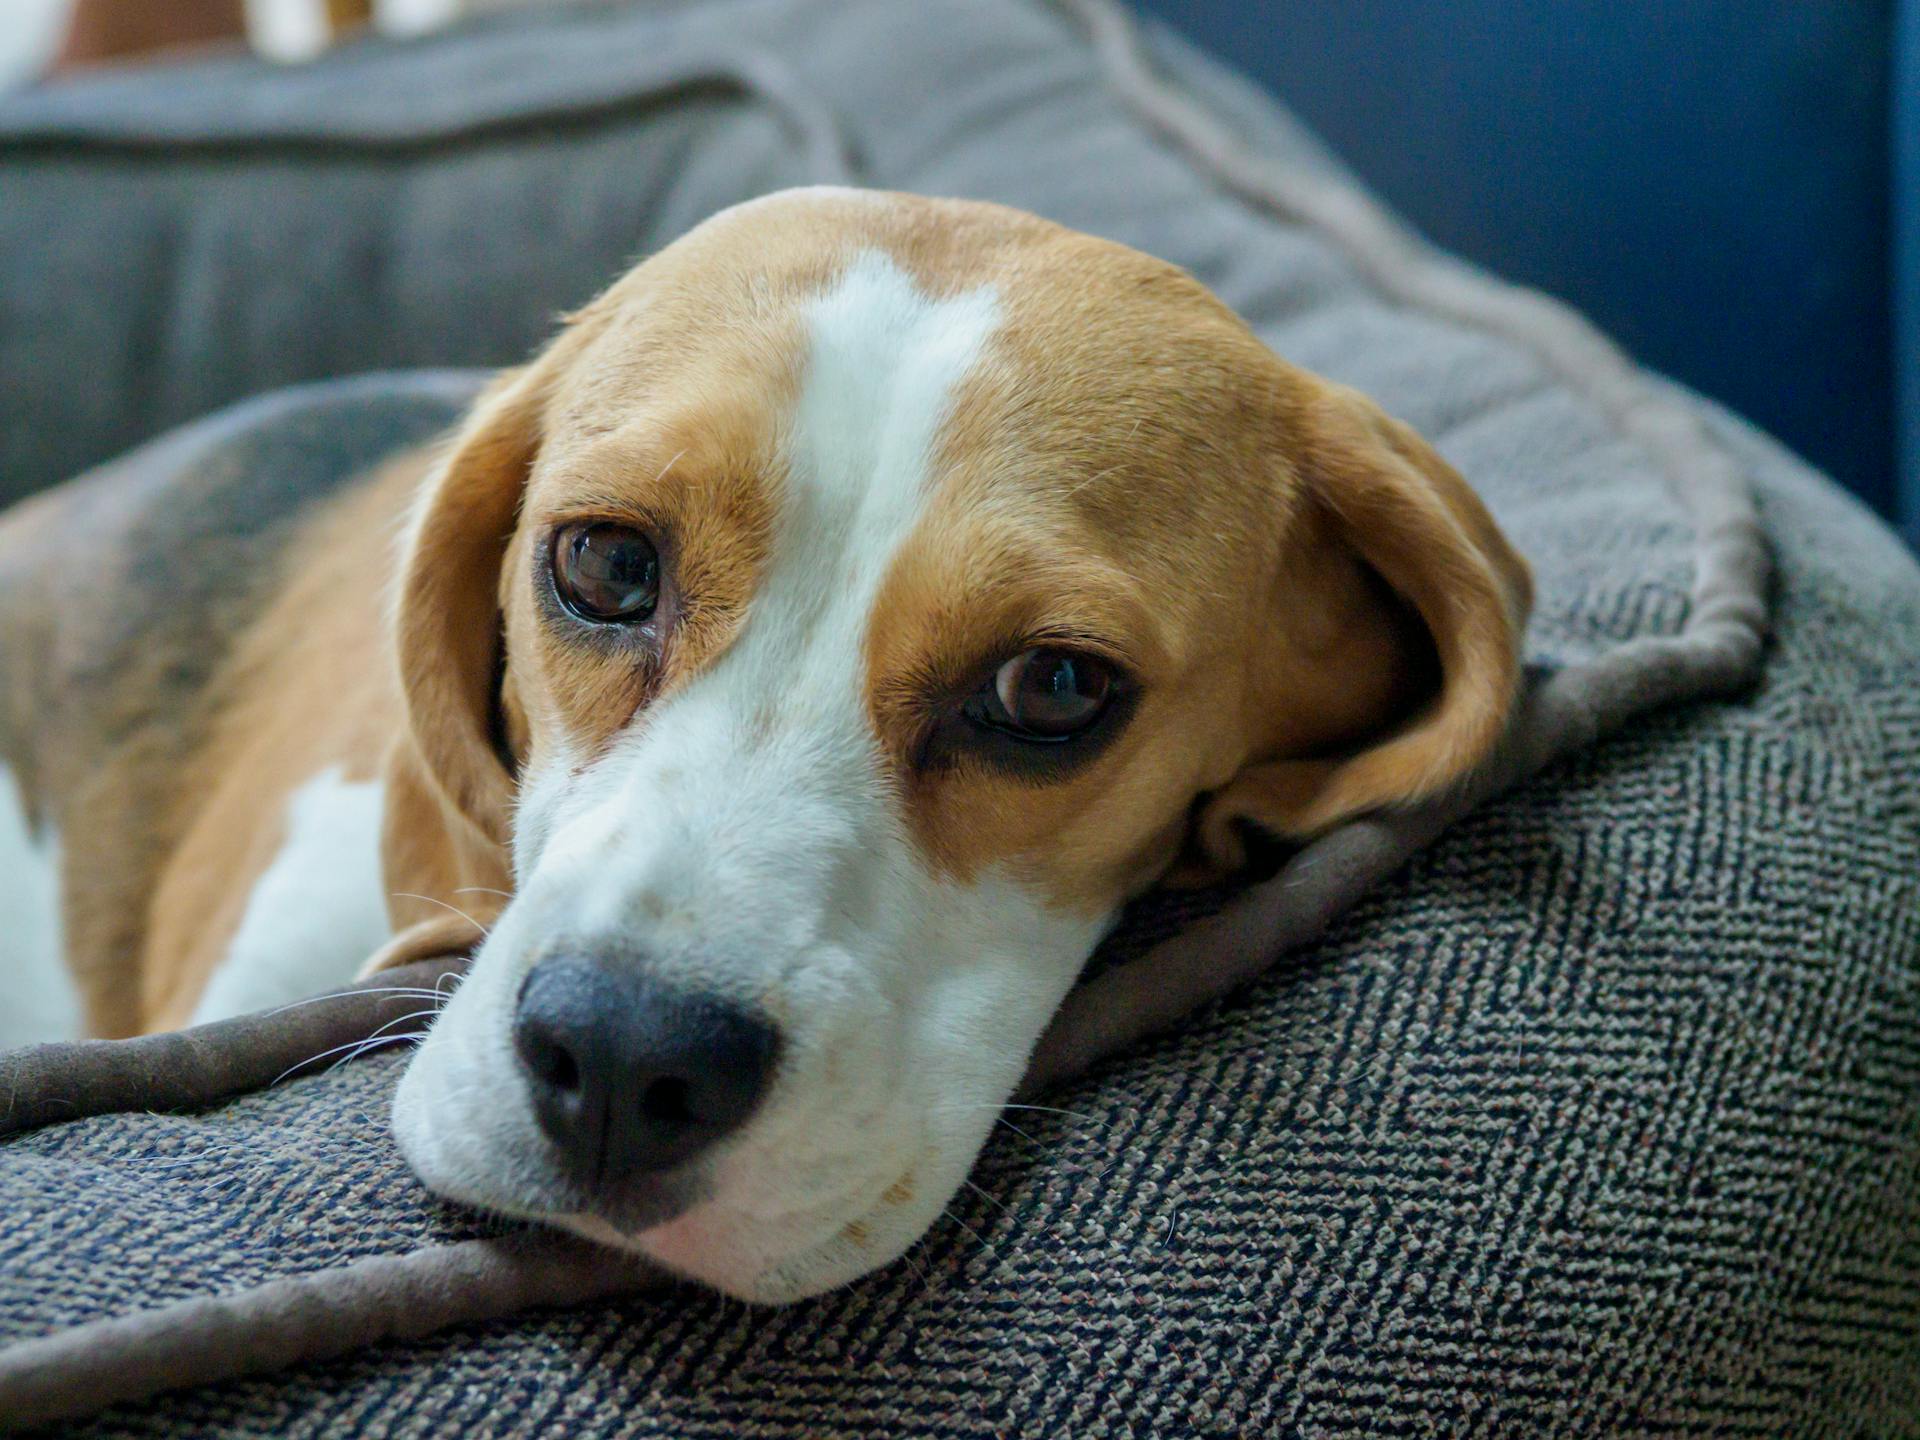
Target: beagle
(779, 685)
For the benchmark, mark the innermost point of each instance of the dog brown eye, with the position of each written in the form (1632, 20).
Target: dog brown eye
(606, 573)
(1044, 695)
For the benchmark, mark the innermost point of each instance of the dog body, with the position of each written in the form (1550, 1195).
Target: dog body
(164, 743)
(780, 685)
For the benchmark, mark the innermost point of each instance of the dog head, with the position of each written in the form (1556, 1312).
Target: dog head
(820, 642)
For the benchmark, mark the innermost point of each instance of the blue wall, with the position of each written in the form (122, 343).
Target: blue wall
(1708, 179)
(1906, 260)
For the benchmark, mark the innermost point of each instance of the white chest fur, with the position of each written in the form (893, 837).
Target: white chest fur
(37, 1000)
(316, 912)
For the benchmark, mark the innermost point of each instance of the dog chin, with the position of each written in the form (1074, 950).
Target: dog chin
(700, 1224)
(672, 1223)
(769, 1265)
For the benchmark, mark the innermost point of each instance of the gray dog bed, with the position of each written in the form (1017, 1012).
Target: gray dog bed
(1599, 1117)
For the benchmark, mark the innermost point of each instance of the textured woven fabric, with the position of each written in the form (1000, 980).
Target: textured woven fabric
(1603, 1118)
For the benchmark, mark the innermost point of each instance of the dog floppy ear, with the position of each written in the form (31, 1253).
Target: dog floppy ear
(449, 789)
(1383, 493)
(446, 882)
(447, 621)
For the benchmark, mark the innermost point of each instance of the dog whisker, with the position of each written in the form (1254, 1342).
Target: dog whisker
(357, 1049)
(402, 1019)
(1005, 1123)
(375, 1043)
(985, 1244)
(413, 992)
(922, 1271)
(1042, 1109)
(409, 895)
(361, 1045)
(1067, 1168)
(988, 1196)
(1055, 1110)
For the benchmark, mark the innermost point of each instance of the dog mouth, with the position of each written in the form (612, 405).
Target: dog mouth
(720, 1235)
(763, 1219)
(769, 1215)
(620, 1212)
(768, 1132)
(776, 1257)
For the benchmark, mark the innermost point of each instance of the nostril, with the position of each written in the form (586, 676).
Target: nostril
(550, 1062)
(668, 1101)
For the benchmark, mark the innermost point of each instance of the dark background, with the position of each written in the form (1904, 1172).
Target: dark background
(1710, 180)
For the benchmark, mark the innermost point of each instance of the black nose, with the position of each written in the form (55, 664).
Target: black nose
(629, 1077)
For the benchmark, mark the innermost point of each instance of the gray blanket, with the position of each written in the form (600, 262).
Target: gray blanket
(1600, 1117)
